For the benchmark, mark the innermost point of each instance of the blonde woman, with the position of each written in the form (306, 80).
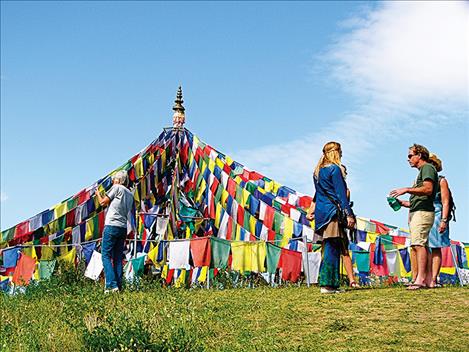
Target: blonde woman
(346, 256)
(439, 234)
(331, 193)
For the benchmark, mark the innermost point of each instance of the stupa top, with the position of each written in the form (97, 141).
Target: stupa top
(179, 117)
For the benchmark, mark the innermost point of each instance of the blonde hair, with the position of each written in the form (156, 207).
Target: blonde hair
(331, 154)
(435, 161)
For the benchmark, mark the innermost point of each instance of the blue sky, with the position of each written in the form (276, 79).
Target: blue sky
(86, 85)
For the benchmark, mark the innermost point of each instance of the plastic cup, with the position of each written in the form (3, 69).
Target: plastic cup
(394, 203)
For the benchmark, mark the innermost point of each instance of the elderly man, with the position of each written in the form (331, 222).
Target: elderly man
(120, 201)
(422, 211)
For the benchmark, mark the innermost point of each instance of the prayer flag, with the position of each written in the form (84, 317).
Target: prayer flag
(24, 270)
(220, 252)
(290, 263)
(178, 255)
(46, 268)
(94, 267)
(201, 251)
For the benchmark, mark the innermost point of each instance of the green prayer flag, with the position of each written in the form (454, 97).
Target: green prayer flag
(251, 187)
(46, 268)
(278, 220)
(239, 195)
(96, 233)
(386, 240)
(72, 203)
(62, 223)
(273, 256)
(363, 261)
(8, 235)
(138, 265)
(220, 252)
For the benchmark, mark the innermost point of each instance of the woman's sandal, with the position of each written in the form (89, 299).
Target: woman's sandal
(354, 284)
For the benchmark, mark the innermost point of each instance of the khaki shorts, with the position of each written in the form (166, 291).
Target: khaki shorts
(420, 224)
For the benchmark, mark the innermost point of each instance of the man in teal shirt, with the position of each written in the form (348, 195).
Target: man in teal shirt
(421, 210)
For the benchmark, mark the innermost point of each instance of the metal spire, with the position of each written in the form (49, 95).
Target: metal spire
(179, 117)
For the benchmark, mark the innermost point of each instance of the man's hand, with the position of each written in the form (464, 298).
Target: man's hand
(398, 192)
(350, 222)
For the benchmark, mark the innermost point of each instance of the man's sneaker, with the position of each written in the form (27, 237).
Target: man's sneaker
(112, 290)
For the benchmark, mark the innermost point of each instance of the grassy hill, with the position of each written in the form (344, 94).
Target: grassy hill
(78, 316)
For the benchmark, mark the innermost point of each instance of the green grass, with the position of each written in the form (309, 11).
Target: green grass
(76, 316)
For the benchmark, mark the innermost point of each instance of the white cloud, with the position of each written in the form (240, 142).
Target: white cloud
(3, 197)
(406, 63)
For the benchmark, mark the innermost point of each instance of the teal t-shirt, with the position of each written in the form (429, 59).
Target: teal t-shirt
(426, 172)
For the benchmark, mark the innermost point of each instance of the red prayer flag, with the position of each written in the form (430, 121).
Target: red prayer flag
(447, 258)
(399, 239)
(380, 227)
(290, 263)
(269, 216)
(240, 215)
(21, 229)
(201, 251)
(378, 270)
(24, 270)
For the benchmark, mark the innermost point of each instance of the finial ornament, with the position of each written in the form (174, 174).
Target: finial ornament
(179, 117)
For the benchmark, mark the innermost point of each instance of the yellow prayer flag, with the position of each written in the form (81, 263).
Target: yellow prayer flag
(201, 190)
(219, 163)
(246, 195)
(188, 232)
(371, 237)
(211, 165)
(47, 253)
(269, 186)
(401, 272)
(252, 225)
(224, 197)
(152, 255)
(248, 256)
(229, 161)
(203, 274)
(138, 166)
(60, 210)
(276, 186)
(238, 233)
(218, 215)
(69, 258)
(164, 272)
(447, 270)
(89, 229)
(181, 280)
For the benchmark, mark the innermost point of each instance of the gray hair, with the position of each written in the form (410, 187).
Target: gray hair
(120, 177)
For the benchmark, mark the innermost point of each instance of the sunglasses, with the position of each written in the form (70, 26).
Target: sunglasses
(409, 156)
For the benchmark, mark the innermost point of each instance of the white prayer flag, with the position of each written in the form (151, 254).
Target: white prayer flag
(95, 266)
(178, 255)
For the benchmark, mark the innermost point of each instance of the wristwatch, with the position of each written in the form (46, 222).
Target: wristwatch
(444, 220)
